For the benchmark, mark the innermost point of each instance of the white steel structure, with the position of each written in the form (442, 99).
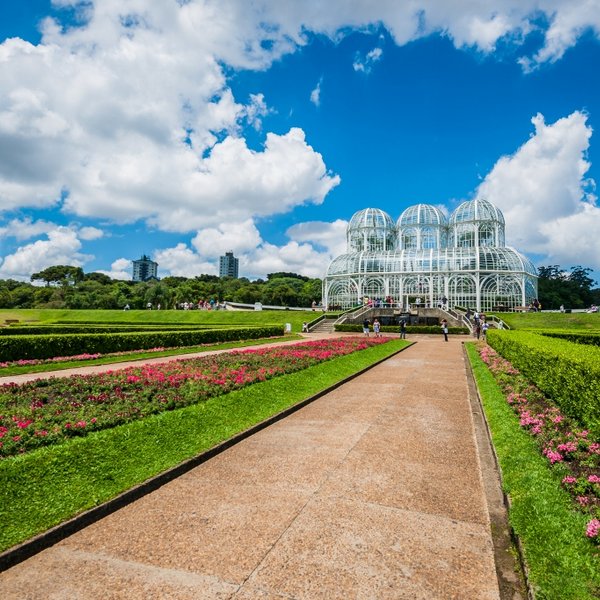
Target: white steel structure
(425, 258)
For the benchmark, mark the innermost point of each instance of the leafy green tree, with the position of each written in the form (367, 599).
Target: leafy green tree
(285, 275)
(23, 296)
(98, 277)
(558, 287)
(59, 275)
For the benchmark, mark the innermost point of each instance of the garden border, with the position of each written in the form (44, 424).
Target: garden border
(13, 556)
(502, 532)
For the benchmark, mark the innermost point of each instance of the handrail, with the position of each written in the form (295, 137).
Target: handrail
(354, 312)
(501, 324)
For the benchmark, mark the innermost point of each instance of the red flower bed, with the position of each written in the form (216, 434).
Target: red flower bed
(47, 411)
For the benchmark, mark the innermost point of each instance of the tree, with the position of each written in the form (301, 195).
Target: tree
(59, 275)
(99, 277)
(282, 274)
(558, 287)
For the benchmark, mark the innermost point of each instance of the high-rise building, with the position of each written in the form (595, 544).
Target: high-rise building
(144, 269)
(228, 265)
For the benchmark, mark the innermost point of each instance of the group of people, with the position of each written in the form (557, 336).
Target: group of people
(200, 305)
(388, 301)
(480, 325)
(377, 328)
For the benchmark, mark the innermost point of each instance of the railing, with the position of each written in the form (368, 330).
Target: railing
(459, 316)
(353, 312)
(500, 324)
(315, 321)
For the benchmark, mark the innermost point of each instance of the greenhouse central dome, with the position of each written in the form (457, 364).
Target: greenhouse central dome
(425, 257)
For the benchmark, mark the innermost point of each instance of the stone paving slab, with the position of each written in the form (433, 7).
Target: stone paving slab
(372, 491)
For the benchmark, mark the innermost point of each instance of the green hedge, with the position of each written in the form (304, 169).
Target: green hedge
(409, 328)
(49, 346)
(592, 338)
(85, 328)
(562, 563)
(566, 372)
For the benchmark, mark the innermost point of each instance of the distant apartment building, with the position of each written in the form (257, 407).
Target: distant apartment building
(144, 269)
(228, 265)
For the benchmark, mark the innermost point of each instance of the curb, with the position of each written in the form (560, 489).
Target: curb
(13, 556)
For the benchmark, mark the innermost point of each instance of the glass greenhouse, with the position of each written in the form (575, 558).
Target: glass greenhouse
(425, 258)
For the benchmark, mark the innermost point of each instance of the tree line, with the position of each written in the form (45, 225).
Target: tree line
(69, 287)
(571, 289)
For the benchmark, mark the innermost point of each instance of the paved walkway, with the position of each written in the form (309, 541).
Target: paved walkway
(372, 491)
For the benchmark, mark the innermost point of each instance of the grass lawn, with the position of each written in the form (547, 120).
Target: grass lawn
(548, 320)
(48, 486)
(196, 317)
(562, 563)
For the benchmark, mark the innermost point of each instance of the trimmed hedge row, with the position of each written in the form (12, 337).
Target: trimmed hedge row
(409, 328)
(591, 338)
(566, 372)
(49, 346)
(83, 328)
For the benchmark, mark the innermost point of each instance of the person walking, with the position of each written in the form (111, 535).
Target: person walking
(484, 330)
(403, 329)
(376, 328)
(366, 327)
(445, 329)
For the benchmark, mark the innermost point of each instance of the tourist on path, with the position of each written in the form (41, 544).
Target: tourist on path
(366, 327)
(445, 329)
(403, 329)
(376, 328)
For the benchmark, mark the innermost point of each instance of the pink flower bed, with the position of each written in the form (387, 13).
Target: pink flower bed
(47, 411)
(58, 359)
(567, 447)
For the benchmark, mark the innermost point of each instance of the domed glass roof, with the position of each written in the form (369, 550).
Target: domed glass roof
(371, 218)
(505, 259)
(476, 210)
(421, 214)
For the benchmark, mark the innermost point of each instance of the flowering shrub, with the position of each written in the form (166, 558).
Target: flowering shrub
(561, 440)
(58, 359)
(47, 411)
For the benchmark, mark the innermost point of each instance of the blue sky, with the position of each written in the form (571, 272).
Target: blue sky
(185, 129)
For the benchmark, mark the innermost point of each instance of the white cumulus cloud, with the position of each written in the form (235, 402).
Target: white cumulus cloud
(121, 269)
(62, 247)
(542, 189)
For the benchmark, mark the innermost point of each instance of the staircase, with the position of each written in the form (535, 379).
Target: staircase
(324, 326)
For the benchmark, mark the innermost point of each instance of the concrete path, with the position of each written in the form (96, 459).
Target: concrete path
(373, 491)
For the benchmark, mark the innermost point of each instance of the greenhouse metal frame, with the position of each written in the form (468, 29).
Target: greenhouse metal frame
(426, 258)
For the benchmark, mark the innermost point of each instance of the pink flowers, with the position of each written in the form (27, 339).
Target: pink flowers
(73, 406)
(593, 528)
(566, 446)
(552, 455)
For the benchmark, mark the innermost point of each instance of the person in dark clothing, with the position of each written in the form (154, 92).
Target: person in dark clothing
(403, 329)
(366, 327)
(445, 329)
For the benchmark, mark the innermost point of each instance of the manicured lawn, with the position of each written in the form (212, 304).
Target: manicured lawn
(562, 562)
(212, 318)
(47, 486)
(548, 320)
